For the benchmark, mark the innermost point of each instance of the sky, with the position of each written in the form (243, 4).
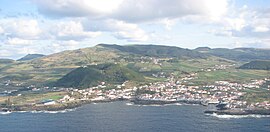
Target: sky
(50, 26)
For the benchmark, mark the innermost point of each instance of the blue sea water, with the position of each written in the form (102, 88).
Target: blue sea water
(120, 117)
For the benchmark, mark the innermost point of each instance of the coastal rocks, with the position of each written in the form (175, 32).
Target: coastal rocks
(239, 112)
(163, 102)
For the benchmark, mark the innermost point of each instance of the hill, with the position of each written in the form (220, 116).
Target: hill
(257, 65)
(6, 61)
(75, 58)
(238, 54)
(30, 57)
(85, 77)
(48, 69)
(157, 51)
(202, 49)
(145, 59)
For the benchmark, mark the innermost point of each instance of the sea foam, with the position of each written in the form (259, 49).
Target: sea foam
(5, 113)
(53, 112)
(238, 116)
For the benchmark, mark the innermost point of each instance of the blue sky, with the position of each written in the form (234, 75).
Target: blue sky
(46, 27)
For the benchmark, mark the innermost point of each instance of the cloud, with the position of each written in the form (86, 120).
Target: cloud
(261, 29)
(5, 53)
(58, 46)
(262, 43)
(245, 22)
(76, 8)
(22, 28)
(18, 41)
(221, 32)
(119, 29)
(1, 30)
(66, 24)
(71, 30)
(132, 10)
(134, 36)
(149, 10)
(17, 51)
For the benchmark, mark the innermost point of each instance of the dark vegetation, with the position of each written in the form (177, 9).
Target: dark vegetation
(30, 57)
(238, 54)
(157, 51)
(257, 65)
(6, 61)
(84, 77)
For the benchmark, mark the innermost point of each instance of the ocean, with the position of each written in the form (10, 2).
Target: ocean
(124, 117)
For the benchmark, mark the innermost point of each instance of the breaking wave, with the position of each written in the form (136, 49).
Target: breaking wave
(237, 116)
(5, 113)
(54, 112)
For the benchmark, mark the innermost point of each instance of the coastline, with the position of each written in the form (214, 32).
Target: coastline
(55, 107)
(163, 102)
(239, 111)
(75, 104)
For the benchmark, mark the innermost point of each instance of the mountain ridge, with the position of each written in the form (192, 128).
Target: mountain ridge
(30, 57)
(156, 50)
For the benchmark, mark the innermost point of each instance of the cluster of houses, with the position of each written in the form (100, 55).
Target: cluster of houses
(173, 90)
(221, 91)
(99, 93)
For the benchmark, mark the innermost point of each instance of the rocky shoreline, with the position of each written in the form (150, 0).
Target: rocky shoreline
(239, 111)
(75, 104)
(163, 102)
(56, 107)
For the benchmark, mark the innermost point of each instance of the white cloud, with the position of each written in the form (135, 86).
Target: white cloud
(58, 46)
(22, 28)
(77, 8)
(120, 17)
(18, 41)
(245, 22)
(5, 53)
(221, 32)
(261, 29)
(259, 43)
(149, 10)
(1, 30)
(119, 29)
(127, 31)
(138, 35)
(132, 10)
(67, 24)
(27, 50)
(168, 23)
(236, 24)
(71, 30)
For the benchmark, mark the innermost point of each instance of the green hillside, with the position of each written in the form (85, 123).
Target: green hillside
(157, 51)
(30, 57)
(84, 77)
(6, 61)
(48, 69)
(143, 59)
(258, 65)
(238, 54)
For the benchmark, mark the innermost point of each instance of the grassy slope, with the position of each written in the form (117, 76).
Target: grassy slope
(33, 98)
(85, 77)
(157, 51)
(257, 65)
(50, 68)
(238, 54)
(233, 75)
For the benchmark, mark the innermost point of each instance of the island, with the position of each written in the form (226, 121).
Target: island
(140, 74)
